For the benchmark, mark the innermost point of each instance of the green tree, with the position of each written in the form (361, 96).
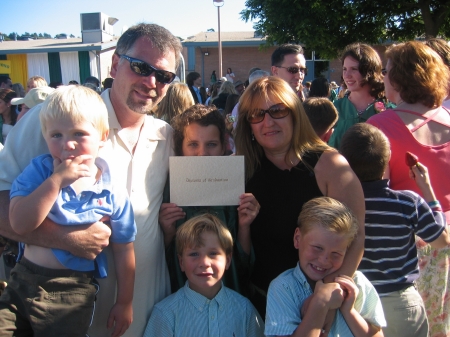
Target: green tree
(327, 26)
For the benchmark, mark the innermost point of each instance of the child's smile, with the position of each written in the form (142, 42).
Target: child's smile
(321, 252)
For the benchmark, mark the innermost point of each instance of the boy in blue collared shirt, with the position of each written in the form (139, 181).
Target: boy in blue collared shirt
(326, 228)
(51, 292)
(204, 307)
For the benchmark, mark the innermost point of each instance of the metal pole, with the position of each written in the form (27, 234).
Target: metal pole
(220, 44)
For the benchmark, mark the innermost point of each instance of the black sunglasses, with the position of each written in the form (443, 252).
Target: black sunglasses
(295, 70)
(384, 71)
(144, 69)
(276, 111)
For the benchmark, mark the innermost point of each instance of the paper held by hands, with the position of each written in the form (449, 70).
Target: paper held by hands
(206, 181)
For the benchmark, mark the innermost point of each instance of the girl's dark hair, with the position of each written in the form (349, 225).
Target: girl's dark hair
(369, 66)
(200, 114)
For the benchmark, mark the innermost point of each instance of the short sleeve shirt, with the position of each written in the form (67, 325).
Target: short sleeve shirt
(288, 292)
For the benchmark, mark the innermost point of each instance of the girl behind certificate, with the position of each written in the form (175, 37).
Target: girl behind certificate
(200, 131)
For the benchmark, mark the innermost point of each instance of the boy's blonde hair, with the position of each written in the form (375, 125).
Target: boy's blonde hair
(331, 215)
(79, 104)
(38, 81)
(189, 233)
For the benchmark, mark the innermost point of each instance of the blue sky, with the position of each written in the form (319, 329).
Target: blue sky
(182, 17)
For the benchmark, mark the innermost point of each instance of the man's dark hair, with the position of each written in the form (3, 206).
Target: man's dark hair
(4, 79)
(285, 49)
(191, 77)
(319, 87)
(160, 37)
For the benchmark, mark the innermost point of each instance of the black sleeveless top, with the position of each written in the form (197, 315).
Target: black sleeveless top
(281, 194)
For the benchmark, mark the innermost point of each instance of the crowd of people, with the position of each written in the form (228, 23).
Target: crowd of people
(334, 236)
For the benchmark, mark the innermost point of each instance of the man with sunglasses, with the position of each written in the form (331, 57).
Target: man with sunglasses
(289, 64)
(137, 150)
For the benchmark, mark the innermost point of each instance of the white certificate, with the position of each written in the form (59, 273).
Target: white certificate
(206, 180)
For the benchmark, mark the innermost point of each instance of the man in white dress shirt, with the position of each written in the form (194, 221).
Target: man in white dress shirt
(137, 151)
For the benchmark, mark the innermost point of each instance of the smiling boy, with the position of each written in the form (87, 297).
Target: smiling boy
(326, 228)
(204, 306)
(70, 186)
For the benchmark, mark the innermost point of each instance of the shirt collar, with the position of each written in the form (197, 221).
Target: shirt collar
(299, 276)
(199, 301)
(375, 185)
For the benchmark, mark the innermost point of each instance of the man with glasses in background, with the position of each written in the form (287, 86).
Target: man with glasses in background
(137, 151)
(288, 63)
(5, 82)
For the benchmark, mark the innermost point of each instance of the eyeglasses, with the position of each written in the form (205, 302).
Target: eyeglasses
(295, 70)
(144, 69)
(276, 111)
(384, 71)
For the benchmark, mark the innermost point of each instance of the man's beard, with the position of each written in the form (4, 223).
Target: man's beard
(143, 107)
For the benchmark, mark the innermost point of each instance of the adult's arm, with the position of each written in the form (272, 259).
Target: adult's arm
(84, 241)
(337, 180)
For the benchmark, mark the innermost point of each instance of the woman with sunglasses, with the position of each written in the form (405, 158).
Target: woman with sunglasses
(286, 165)
(8, 116)
(361, 70)
(417, 81)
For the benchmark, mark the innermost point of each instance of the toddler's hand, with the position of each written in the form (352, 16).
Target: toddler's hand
(68, 171)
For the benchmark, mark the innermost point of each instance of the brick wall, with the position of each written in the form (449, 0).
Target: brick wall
(239, 59)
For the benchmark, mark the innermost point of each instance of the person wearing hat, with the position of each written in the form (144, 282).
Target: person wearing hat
(31, 99)
(239, 86)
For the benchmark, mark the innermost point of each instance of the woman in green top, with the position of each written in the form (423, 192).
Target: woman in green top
(200, 131)
(361, 70)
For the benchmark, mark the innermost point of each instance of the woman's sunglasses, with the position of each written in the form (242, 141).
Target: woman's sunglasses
(295, 70)
(276, 111)
(144, 69)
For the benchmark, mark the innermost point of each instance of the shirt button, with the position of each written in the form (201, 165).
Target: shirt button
(212, 317)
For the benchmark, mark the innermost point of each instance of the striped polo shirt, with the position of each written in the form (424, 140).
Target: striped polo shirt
(188, 313)
(392, 218)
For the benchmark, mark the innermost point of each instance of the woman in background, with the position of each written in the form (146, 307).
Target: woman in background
(361, 70)
(417, 81)
(177, 99)
(230, 75)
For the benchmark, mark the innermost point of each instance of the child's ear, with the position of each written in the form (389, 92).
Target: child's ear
(228, 261)
(297, 238)
(180, 260)
(326, 137)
